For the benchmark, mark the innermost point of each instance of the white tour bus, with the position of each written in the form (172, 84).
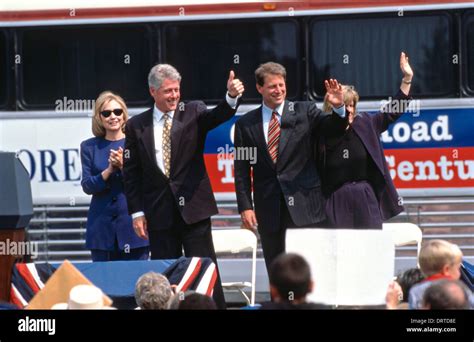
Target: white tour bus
(54, 61)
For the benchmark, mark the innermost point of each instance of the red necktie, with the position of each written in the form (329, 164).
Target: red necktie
(273, 137)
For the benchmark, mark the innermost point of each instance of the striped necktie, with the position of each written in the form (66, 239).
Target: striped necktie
(167, 143)
(273, 137)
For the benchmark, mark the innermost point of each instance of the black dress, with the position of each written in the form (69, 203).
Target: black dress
(351, 200)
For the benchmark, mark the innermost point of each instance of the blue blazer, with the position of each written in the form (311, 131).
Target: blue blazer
(108, 218)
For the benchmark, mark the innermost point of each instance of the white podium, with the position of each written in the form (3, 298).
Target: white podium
(348, 266)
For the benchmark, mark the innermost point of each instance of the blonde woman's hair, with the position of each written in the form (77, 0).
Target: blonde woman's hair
(349, 94)
(435, 254)
(105, 97)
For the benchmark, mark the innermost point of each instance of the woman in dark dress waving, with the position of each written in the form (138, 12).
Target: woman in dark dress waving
(355, 177)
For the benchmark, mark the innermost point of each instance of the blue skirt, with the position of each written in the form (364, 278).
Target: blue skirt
(354, 205)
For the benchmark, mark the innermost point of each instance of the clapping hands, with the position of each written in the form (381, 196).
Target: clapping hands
(116, 158)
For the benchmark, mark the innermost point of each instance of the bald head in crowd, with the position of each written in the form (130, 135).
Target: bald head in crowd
(446, 295)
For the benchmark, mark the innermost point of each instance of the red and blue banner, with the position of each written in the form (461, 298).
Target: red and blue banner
(429, 149)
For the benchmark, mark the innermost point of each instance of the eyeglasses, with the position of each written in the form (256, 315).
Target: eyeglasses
(107, 113)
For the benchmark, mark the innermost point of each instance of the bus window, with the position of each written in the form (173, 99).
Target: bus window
(3, 70)
(205, 52)
(364, 52)
(468, 33)
(79, 63)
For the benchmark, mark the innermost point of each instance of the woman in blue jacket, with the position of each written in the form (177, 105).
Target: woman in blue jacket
(109, 234)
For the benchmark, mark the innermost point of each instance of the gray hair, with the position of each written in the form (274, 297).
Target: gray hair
(153, 291)
(160, 72)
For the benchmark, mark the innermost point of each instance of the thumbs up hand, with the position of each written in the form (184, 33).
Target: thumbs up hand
(234, 86)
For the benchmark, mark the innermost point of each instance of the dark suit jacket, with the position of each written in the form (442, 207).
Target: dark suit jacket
(148, 189)
(294, 175)
(369, 127)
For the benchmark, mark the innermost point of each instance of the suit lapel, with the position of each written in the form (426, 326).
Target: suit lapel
(361, 129)
(288, 121)
(257, 132)
(148, 136)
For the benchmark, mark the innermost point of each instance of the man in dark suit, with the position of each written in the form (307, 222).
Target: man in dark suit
(286, 184)
(168, 190)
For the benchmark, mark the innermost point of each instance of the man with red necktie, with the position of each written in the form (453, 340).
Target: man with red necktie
(286, 184)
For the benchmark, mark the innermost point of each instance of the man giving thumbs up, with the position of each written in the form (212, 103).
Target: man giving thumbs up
(168, 190)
